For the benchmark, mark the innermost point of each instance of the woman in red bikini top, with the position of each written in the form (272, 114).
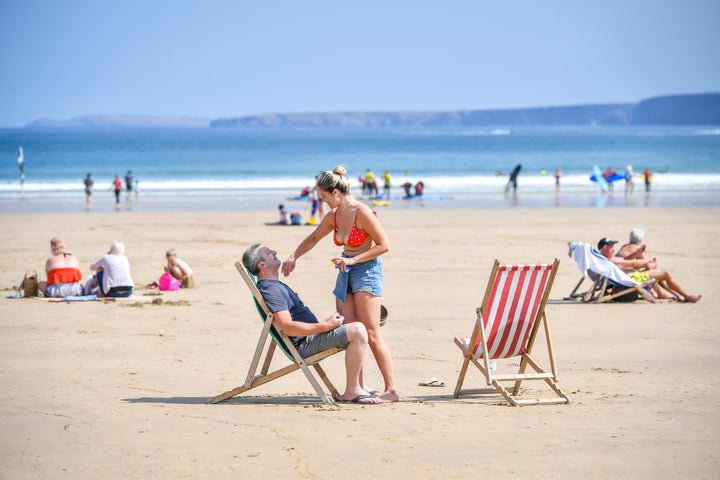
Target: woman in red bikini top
(353, 224)
(61, 268)
(355, 227)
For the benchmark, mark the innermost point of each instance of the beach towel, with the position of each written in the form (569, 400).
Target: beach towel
(589, 259)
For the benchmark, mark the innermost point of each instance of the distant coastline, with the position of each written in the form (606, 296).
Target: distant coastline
(671, 110)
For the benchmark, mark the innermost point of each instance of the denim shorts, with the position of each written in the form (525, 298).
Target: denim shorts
(318, 342)
(362, 277)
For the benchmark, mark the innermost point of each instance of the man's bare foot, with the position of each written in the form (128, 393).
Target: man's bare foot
(390, 396)
(693, 298)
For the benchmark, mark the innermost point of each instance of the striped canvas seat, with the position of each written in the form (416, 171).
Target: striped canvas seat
(506, 327)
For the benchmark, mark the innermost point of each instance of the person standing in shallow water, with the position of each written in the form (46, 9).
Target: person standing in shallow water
(88, 182)
(117, 187)
(359, 285)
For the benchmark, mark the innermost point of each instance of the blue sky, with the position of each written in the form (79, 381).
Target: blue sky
(216, 59)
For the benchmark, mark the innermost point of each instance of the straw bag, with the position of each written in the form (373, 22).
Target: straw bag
(29, 285)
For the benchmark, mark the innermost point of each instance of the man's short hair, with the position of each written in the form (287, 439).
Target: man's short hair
(251, 257)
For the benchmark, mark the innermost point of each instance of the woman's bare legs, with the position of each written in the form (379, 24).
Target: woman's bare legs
(364, 307)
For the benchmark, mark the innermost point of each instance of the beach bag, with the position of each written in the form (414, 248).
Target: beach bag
(167, 282)
(626, 298)
(29, 285)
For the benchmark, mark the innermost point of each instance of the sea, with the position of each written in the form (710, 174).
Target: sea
(257, 169)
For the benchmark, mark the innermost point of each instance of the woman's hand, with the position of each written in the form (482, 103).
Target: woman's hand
(343, 263)
(288, 266)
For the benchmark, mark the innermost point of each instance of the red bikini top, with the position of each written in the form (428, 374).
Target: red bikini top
(64, 275)
(356, 238)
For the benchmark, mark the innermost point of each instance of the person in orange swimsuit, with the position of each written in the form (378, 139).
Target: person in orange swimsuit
(64, 277)
(358, 289)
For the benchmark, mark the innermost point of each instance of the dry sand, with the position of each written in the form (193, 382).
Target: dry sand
(117, 390)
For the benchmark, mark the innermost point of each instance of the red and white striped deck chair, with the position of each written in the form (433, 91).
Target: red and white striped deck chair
(506, 327)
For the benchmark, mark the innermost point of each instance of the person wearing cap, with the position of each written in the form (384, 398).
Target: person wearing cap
(643, 269)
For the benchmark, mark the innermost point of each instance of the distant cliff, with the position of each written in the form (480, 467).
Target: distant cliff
(117, 121)
(609, 114)
(699, 109)
(702, 109)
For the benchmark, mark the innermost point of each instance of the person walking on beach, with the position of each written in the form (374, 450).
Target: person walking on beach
(359, 286)
(648, 179)
(370, 186)
(21, 160)
(21, 166)
(308, 334)
(129, 183)
(512, 180)
(558, 174)
(386, 185)
(629, 185)
(117, 187)
(89, 182)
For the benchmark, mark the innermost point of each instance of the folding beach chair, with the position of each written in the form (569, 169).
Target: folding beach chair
(507, 326)
(274, 337)
(608, 282)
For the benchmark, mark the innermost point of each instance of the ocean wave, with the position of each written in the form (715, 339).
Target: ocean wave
(711, 131)
(436, 184)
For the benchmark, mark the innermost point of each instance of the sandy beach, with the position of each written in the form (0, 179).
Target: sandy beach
(118, 389)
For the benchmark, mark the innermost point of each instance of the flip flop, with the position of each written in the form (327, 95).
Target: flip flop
(359, 400)
(433, 382)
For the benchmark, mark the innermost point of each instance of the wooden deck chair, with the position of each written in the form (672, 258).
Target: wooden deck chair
(274, 337)
(608, 282)
(506, 327)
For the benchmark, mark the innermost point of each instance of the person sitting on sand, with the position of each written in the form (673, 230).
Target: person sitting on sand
(308, 334)
(63, 272)
(113, 273)
(179, 269)
(649, 269)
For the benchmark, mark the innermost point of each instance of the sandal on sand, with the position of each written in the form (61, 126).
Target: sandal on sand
(359, 400)
(433, 382)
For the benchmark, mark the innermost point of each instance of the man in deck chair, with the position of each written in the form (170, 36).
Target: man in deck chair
(632, 266)
(308, 334)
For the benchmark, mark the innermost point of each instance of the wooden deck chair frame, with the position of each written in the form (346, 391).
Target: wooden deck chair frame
(603, 290)
(275, 337)
(527, 288)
